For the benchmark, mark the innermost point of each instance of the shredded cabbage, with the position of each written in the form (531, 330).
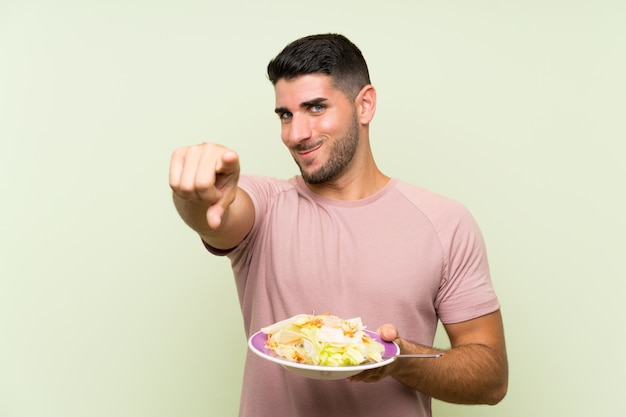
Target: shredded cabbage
(323, 340)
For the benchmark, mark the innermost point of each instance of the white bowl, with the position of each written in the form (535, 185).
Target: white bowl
(256, 343)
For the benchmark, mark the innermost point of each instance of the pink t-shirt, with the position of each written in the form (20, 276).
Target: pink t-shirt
(403, 256)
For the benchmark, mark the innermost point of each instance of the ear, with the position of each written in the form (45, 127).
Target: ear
(365, 104)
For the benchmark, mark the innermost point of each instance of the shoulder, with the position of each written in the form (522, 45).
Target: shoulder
(431, 204)
(260, 187)
(264, 183)
(451, 220)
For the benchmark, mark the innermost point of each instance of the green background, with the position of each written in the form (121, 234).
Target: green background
(109, 305)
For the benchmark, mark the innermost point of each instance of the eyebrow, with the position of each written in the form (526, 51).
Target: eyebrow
(303, 105)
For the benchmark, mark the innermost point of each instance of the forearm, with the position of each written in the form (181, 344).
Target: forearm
(467, 374)
(236, 220)
(194, 214)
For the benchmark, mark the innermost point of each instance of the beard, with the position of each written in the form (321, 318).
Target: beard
(341, 154)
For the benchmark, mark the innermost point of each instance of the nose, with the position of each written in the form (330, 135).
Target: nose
(297, 130)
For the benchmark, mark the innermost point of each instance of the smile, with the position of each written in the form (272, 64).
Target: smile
(304, 151)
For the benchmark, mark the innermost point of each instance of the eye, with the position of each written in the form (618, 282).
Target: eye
(317, 108)
(284, 116)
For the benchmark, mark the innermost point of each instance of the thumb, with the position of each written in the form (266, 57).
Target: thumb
(388, 332)
(214, 216)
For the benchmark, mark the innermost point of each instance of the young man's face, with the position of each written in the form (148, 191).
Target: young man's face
(319, 126)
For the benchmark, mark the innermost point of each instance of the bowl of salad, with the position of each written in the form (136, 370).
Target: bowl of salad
(322, 346)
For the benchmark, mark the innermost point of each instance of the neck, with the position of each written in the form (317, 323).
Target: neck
(357, 182)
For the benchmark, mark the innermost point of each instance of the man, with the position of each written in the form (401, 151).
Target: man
(344, 238)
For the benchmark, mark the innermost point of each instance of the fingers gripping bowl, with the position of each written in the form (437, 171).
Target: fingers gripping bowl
(322, 347)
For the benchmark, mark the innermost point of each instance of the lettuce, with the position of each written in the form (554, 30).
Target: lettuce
(323, 340)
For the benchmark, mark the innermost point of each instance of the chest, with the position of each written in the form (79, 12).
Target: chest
(341, 260)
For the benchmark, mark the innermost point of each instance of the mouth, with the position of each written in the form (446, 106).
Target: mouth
(307, 151)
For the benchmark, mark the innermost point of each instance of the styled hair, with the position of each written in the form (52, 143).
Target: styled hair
(330, 54)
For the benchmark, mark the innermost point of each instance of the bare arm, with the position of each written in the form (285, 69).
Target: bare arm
(204, 181)
(473, 371)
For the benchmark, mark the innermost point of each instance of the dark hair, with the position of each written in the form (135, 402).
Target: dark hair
(330, 54)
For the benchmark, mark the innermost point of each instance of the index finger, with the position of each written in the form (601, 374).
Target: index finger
(229, 163)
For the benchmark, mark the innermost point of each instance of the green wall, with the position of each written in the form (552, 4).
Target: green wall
(109, 306)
